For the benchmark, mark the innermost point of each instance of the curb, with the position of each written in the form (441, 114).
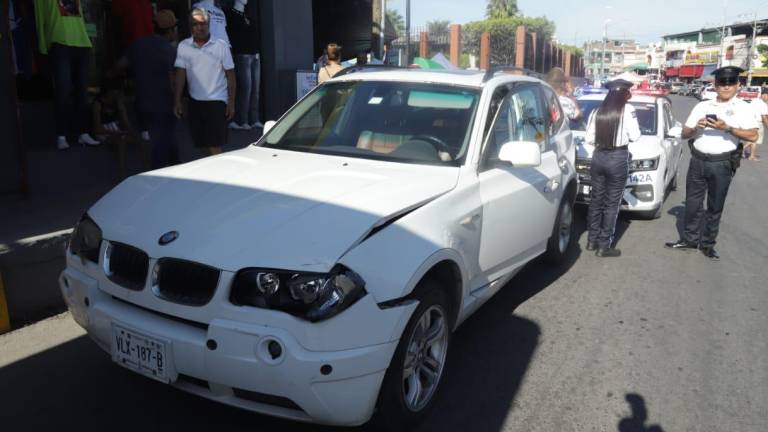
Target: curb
(5, 318)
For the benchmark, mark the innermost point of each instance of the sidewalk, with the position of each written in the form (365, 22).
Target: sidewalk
(62, 185)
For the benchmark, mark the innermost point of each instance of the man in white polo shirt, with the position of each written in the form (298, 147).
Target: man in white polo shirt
(717, 125)
(206, 64)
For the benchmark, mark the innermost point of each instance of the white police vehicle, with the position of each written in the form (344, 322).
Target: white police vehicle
(655, 156)
(318, 274)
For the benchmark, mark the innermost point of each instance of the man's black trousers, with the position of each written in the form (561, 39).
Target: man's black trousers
(609, 177)
(710, 178)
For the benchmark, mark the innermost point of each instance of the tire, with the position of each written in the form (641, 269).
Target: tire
(399, 406)
(673, 184)
(561, 239)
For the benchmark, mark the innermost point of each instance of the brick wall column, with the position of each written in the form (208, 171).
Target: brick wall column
(534, 53)
(455, 44)
(520, 47)
(424, 44)
(485, 51)
(568, 68)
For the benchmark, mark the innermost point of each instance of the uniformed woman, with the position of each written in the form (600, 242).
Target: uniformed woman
(610, 130)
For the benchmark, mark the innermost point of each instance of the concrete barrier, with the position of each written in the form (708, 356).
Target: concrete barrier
(30, 269)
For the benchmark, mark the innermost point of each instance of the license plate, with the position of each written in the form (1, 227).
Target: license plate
(140, 353)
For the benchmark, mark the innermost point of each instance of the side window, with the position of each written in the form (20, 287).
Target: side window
(556, 116)
(520, 117)
(670, 117)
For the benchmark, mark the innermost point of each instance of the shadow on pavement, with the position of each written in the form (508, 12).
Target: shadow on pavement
(636, 423)
(678, 212)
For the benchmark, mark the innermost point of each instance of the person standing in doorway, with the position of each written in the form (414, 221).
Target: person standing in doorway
(717, 125)
(760, 108)
(333, 66)
(244, 35)
(610, 129)
(206, 64)
(152, 58)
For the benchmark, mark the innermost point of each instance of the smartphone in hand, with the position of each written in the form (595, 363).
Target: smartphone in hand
(712, 117)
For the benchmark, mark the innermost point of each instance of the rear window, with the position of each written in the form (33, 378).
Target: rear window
(646, 115)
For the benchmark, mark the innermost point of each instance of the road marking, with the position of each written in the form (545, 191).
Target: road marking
(5, 318)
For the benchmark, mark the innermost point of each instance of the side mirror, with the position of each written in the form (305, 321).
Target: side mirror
(521, 154)
(267, 126)
(675, 132)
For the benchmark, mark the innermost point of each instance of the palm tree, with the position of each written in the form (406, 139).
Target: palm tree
(438, 27)
(501, 9)
(396, 20)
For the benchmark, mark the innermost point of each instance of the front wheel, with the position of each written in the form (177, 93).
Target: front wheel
(413, 377)
(562, 233)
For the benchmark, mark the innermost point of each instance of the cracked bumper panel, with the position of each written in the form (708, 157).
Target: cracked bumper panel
(328, 387)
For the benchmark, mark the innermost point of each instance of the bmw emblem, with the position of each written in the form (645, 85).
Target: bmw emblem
(168, 237)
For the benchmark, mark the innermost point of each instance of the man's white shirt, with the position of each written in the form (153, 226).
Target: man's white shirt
(736, 113)
(205, 68)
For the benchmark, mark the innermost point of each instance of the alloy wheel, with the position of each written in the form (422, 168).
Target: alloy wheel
(425, 358)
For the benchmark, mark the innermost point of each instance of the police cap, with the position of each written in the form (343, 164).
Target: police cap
(619, 84)
(727, 74)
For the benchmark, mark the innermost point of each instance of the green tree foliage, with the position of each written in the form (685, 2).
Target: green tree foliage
(496, 9)
(502, 32)
(437, 27)
(763, 51)
(572, 49)
(397, 21)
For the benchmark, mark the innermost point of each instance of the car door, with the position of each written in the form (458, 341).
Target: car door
(672, 145)
(519, 204)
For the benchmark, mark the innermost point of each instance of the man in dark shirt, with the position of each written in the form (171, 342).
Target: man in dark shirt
(151, 58)
(243, 34)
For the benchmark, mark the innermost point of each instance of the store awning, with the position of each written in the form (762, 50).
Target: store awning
(671, 72)
(638, 67)
(426, 63)
(758, 73)
(691, 71)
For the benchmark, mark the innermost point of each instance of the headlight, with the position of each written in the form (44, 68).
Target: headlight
(644, 164)
(310, 296)
(86, 240)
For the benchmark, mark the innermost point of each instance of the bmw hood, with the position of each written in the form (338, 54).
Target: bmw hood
(260, 207)
(647, 147)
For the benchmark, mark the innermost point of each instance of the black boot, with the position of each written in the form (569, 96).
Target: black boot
(710, 253)
(608, 252)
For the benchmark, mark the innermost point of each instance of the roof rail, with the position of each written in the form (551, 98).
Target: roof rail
(366, 68)
(511, 70)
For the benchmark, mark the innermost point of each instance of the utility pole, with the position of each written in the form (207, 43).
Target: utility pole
(722, 36)
(408, 32)
(752, 49)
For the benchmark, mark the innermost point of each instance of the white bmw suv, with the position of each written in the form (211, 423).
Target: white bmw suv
(318, 274)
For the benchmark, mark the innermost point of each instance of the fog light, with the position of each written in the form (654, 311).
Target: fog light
(643, 192)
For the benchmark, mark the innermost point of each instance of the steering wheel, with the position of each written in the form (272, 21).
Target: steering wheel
(436, 142)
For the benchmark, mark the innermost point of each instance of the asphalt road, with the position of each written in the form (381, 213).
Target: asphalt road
(655, 340)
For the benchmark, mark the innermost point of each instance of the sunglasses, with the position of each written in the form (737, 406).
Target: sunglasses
(727, 81)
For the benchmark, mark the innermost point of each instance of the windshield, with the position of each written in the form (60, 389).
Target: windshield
(395, 121)
(646, 115)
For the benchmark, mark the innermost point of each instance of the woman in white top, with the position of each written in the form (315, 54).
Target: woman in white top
(333, 66)
(562, 86)
(610, 129)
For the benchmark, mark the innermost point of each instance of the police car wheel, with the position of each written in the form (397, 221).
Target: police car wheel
(562, 233)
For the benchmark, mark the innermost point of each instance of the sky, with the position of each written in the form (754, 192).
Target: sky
(584, 20)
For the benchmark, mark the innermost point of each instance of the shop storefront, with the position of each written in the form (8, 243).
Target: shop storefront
(290, 35)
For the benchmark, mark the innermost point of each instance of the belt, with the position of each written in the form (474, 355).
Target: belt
(612, 149)
(710, 157)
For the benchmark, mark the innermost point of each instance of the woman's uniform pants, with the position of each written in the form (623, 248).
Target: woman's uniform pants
(609, 177)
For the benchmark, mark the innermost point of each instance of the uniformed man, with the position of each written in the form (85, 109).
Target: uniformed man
(717, 126)
(610, 129)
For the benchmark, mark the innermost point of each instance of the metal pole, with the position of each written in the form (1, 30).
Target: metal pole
(382, 29)
(408, 32)
(752, 50)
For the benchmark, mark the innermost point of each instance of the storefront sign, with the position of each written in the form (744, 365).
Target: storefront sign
(306, 80)
(702, 57)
